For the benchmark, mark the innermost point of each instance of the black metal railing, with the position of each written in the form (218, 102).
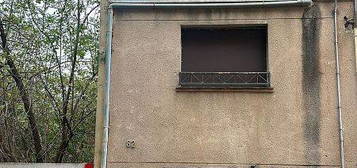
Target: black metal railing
(224, 79)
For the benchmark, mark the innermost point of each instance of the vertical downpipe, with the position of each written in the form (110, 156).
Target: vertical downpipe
(355, 29)
(355, 36)
(338, 82)
(108, 59)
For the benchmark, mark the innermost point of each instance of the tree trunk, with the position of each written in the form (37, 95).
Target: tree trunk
(24, 95)
(67, 132)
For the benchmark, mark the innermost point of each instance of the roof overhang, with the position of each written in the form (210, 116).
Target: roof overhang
(204, 3)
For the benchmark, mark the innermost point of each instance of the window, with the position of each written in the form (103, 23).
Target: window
(224, 57)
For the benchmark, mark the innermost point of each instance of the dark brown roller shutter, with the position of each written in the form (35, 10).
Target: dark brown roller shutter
(240, 49)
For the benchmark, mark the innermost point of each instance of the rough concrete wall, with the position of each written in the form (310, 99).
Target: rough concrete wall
(294, 126)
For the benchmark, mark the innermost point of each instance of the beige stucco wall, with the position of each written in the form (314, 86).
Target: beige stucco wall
(228, 129)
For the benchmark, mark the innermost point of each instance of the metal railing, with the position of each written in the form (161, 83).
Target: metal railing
(224, 79)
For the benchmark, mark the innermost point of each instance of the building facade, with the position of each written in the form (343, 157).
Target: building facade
(226, 84)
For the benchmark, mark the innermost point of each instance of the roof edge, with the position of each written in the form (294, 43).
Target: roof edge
(204, 3)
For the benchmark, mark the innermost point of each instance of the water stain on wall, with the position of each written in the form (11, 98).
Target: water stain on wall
(311, 83)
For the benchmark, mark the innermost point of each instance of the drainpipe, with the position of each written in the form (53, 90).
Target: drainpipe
(355, 29)
(161, 4)
(338, 84)
(108, 62)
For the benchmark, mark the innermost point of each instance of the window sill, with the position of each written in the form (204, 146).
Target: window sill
(225, 89)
